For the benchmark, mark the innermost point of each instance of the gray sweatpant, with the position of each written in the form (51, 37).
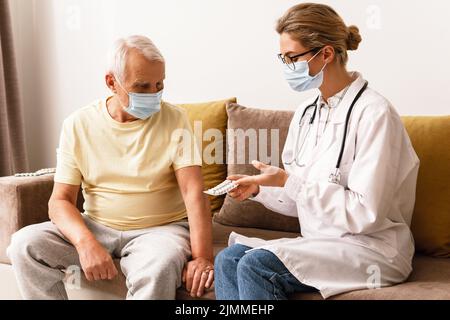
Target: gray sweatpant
(151, 259)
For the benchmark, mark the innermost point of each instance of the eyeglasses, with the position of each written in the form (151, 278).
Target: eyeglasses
(290, 60)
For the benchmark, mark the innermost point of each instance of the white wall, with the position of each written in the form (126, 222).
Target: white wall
(217, 49)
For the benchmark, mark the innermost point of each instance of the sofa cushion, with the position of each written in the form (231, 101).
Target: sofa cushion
(430, 280)
(430, 225)
(203, 117)
(263, 122)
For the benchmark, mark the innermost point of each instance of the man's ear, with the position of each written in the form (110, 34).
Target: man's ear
(111, 82)
(329, 54)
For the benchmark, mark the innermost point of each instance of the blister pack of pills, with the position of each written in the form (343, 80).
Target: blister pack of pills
(222, 188)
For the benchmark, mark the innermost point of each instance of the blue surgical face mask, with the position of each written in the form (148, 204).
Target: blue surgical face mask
(299, 79)
(143, 105)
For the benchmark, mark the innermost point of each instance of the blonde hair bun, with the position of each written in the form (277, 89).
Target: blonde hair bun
(316, 25)
(354, 38)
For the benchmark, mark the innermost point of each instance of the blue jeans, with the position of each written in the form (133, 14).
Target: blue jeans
(257, 275)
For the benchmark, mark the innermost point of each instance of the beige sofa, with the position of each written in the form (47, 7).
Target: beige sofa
(24, 202)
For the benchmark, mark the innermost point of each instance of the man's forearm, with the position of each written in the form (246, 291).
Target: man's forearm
(69, 221)
(200, 223)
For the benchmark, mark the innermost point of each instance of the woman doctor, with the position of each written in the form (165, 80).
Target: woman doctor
(354, 201)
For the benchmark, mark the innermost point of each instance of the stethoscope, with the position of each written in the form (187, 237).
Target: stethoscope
(335, 177)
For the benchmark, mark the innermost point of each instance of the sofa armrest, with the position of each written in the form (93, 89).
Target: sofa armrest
(23, 201)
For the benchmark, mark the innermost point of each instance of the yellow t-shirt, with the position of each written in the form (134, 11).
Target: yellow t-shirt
(127, 170)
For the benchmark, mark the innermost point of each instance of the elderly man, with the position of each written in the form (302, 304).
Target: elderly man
(139, 186)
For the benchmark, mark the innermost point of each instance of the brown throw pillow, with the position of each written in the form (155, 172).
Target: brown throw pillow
(250, 213)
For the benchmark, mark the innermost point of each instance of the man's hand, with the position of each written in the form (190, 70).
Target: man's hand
(96, 262)
(249, 185)
(198, 275)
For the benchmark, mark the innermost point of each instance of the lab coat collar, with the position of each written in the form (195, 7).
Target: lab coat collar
(341, 110)
(333, 102)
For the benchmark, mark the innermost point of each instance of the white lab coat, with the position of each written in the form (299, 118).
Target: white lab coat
(355, 235)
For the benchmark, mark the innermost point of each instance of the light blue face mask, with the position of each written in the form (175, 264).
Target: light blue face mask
(143, 105)
(299, 79)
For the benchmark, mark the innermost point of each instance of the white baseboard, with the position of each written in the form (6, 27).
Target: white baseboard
(8, 287)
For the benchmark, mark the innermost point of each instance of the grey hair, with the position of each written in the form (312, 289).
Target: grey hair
(118, 54)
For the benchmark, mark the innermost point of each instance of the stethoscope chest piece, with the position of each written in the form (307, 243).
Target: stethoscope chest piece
(335, 177)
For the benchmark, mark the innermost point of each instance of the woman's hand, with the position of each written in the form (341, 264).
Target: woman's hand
(243, 191)
(249, 185)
